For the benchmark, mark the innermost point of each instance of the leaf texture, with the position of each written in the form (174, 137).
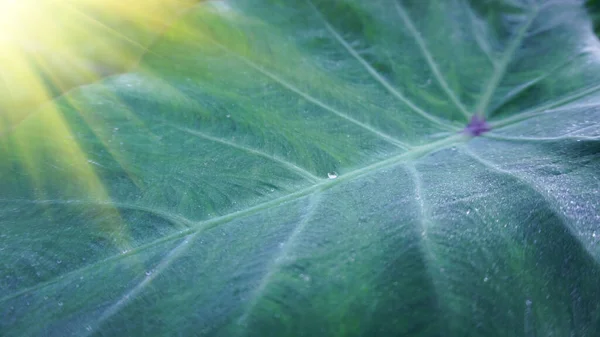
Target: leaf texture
(297, 168)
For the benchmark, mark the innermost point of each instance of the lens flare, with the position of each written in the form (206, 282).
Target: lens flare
(49, 47)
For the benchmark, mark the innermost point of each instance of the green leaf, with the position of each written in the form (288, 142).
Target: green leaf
(297, 168)
(48, 47)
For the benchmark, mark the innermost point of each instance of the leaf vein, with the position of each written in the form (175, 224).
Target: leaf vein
(289, 165)
(374, 73)
(502, 67)
(201, 226)
(279, 258)
(317, 102)
(430, 61)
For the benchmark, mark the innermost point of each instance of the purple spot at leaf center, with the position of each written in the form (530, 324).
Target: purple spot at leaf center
(477, 126)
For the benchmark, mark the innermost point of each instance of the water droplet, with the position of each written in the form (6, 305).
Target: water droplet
(306, 278)
(332, 175)
(88, 328)
(453, 148)
(228, 116)
(59, 261)
(149, 272)
(485, 279)
(468, 211)
(528, 303)
(60, 304)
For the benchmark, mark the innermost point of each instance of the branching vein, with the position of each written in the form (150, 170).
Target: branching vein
(323, 105)
(430, 61)
(289, 165)
(280, 257)
(374, 72)
(201, 226)
(502, 66)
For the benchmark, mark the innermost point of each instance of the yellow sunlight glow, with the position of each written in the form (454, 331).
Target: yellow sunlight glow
(48, 47)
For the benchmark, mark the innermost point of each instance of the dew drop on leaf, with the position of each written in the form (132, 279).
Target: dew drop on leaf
(332, 175)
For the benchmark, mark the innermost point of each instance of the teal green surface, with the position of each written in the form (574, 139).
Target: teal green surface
(296, 168)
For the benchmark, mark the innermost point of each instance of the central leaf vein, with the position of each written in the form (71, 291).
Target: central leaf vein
(201, 226)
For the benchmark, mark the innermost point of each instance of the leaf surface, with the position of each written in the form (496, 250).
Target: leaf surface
(298, 168)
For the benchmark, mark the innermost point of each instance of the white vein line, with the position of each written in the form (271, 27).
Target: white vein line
(291, 166)
(541, 139)
(200, 226)
(516, 91)
(315, 101)
(495, 168)
(481, 42)
(521, 88)
(373, 72)
(592, 126)
(413, 172)
(182, 247)
(501, 68)
(549, 108)
(582, 129)
(432, 64)
(424, 243)
(545, 196)
(131, 294)
(281, 257)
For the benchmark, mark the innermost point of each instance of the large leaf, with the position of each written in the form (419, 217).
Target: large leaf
(297, 168)
(49, 46)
